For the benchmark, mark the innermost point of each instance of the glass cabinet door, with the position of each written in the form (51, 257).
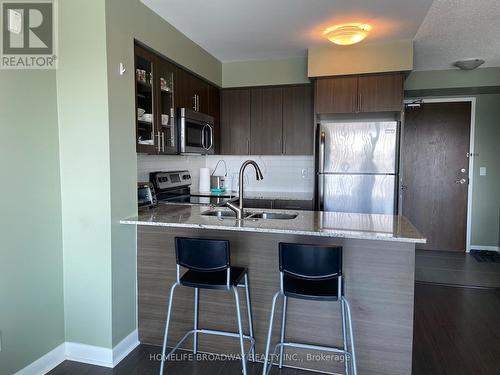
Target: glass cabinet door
(166, 119)
(146, 135)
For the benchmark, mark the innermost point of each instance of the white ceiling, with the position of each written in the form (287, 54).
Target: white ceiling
(457, 29)
(262, 29)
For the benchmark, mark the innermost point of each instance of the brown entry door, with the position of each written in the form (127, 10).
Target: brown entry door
(435, 172)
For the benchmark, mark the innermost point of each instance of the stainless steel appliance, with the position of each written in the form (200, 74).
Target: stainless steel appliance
(175, 187)
(196, 132)
(357, 166)
(146, 196)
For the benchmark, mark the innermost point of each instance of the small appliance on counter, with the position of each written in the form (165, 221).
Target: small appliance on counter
(175, 187)
(146, 197)
(218, 183)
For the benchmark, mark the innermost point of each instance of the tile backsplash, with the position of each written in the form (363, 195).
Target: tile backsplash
(281, 173)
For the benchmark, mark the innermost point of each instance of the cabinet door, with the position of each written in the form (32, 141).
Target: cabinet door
(266, 129)
(214, 111)
(381, 93)
(185, 89)
(164, 83)
(304, 205)
(235, 122)
(202, 89)
(298, 122)
(336, 95)
(146, 102)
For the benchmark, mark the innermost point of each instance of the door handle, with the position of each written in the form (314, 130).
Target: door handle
(462, 181)
(321, 156)
(211, 137)
(404, 187)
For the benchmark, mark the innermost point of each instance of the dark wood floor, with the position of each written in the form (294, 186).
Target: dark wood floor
(457, 332)
(456, 268)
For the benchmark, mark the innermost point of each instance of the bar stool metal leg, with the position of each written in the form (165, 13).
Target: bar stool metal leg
(344, 337)
(169, 311)
(283, 328)
(240, 329)
(351, 336)
(250, 318)
(269, 333)
(196, 306)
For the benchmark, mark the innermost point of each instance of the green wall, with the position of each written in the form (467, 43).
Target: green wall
(486, 189)
(456, 78)
(85, 172)
(31, 275)
(127, 20)
(264, 72)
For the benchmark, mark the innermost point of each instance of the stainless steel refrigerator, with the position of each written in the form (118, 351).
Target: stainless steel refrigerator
(357, 166)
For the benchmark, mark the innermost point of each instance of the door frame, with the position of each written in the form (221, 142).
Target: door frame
(472, 100)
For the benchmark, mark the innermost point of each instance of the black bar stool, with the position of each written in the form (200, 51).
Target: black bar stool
(311, 272)
(209, 267)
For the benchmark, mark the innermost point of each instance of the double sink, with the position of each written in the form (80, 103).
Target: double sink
(251, 215)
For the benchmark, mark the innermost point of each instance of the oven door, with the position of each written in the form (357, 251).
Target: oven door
(196, 137)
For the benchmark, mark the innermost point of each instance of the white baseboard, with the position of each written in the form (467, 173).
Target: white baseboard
(93, 355)
(45, 363)
(488, 248)
(124, 347)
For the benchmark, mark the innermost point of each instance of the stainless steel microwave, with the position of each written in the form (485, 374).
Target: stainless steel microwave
(196, 132)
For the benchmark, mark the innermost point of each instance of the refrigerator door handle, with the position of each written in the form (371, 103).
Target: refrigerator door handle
(321, 192)
(321, 156)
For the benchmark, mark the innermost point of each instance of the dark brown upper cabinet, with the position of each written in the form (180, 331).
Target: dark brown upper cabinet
(336, 95)
(298, 120)
(214, 111)
(161, 88)
(166, 107)
(235, 122)
(266, 121)
(380, 93)
(355, 94)
(146, 102)
(191, 91)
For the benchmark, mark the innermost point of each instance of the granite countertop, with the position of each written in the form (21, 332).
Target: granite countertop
(309, 223)
(292, 195)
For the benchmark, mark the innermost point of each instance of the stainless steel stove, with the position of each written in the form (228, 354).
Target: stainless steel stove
(175, 187)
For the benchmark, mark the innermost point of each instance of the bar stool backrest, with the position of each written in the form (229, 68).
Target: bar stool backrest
(202, 255)
(310, 262)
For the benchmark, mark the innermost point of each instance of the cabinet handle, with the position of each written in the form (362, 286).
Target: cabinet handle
(194, 104)
(197, 102)
(163, 141)
(360, 103)
(159, 141)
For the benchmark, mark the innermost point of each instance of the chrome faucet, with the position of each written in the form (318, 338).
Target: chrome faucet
(238, 209)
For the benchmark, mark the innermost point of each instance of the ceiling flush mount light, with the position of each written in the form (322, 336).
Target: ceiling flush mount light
(468, 64)
(347, 34)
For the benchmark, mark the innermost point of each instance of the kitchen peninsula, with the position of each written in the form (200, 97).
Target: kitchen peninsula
(379, 256)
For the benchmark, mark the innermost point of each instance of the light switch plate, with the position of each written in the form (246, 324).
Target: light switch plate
(15, 21)
(482, 171)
